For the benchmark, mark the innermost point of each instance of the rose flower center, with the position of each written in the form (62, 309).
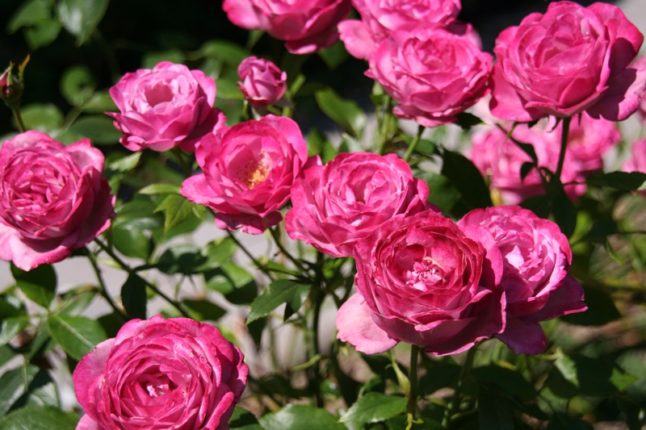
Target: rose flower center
(424, 274)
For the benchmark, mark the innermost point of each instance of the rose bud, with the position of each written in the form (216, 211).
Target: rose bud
(165, 107)
(261, 81)
(248, 171)
(536, 260)
(160, 374)
(337, 205)
(304, 25)
(424, 281)
(571, 59)
(433, 75)
(53, 198)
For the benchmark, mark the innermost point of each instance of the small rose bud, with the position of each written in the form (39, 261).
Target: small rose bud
(261, 81)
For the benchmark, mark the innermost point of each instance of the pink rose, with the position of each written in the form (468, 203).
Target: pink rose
(569, 60)
(637, 163)
(499, 159)
(160, 374)
(536, 260)
(261, 82)
(589, 139)
(426, 282)
(305, 25)
(165, 107)
(434, 75)
(380, 18)
(53, 198)
(248, 171)
(338, 205)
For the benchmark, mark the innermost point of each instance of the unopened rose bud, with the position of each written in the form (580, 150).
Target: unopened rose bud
(261, 81)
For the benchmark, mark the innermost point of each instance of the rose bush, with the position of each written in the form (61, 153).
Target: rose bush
(424, 281)
(248, 171)
(159, 374)
(261, 81)
(569, 60)
(336, 206)
(305, 25)
(165, 107)
(53, 198)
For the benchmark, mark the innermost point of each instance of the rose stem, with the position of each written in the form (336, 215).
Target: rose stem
(248, 253)
(564, 138)
(275, 234)
(413, 145)
(18, 118)
(412, 392)
(104, 289)
(457, 396)
(131, 271)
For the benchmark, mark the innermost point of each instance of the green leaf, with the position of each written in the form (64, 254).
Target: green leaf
(10, 327)
(131, 240)
(466, 178)
(442, 193)
(126, 163)
(77, 335)
(562, 421)
(494, 412)
(467, 120)
(30, 13)
(185, 259)
(511, 382)
(133, 296)
(43, 117)
(374, 408)
(334, 55)
(203, 310)
(624, 181)
(153, 58)
(153, 189)
(13, 384)
(565, 213)
(80, 17)
(242, 419)
(224, 51)
(99, 129)
(176, 209)
(39, 284)
(43, 33)
(278, 292)
(39, 418)
(77, 85)
(300, 417)
(346, 113)
(601, 309)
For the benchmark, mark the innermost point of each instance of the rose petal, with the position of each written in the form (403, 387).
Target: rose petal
(355, 326)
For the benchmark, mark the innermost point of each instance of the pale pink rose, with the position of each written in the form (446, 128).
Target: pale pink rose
(500, 160)
(569, 60)
(637, 163)
(589, 139)
(425, 281)
(304, 25)
(337, 205)
(53, 198)
(433, 75)
(165, 107)
(160, 374)
(380, 18)
(536, 258)
(261, 81)
(248, 171)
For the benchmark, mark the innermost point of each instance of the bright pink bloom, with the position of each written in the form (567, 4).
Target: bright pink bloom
(637, 163)
(261, 81)
(305, 25)
(337, 205)
(53, 198)
(569, 60)
(537, 258)
(433, 75)
(426, 282)
(380, 18)
(165, 107)
(160, 374)
(589, 139)
(248, 171)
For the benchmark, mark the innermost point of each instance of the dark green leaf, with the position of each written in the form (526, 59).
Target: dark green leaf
(466, 178)
(565, 422)
(10, 327)
(374, 408)
(300, 417)
(77, 335)
(38, 284)
(133, 296)
(43, 117)
(564, 211)
(185, 259)
(467, 120)
(99, 130)
(526, 169)
(442, 193)
(80, 17)
(334, 55)
(31, 13)
(511, 382)
(624, 181)
(39, 418)
(203, 310)
(131, 240)
(224, 51)
(278, 292)
(601, 309)
(242, 419)
(13, 384)
(176, 209)
(494, 412)
(346, 113)
(78, 85)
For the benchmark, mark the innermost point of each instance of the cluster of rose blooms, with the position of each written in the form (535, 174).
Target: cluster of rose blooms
(421, 277)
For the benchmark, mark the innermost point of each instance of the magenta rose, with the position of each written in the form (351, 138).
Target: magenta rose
(433, 75)
(500, 160)
(588, 141)
(637, 162)
(248, 171)
(569, 60)
(380, 18)
(536, 260)
(424, 281)
(53, 198)
(337, 205)
(165, 107)
(261, 81)
(304, 25)
(159, 374)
